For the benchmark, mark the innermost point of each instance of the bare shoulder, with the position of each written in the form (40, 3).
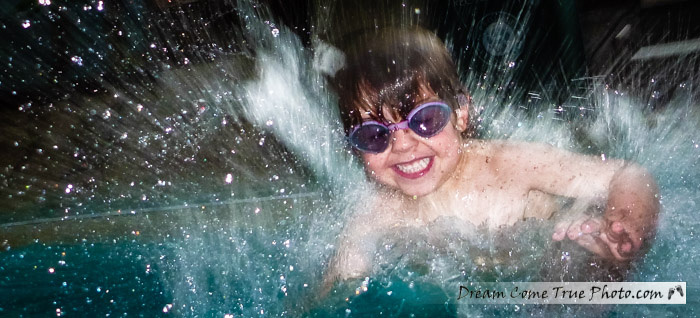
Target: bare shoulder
(508, 149)
(528, 156)
(503, 155)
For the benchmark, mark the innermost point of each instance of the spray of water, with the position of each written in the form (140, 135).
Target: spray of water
(227, 146)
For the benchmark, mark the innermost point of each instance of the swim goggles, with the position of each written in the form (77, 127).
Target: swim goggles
(426, 120)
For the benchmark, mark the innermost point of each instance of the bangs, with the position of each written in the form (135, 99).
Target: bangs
(379, 98)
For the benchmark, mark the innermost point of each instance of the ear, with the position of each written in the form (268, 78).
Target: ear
(462, 112)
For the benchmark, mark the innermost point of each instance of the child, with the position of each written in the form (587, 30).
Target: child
(406, 115)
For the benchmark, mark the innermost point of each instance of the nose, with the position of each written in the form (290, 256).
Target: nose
(403, 140)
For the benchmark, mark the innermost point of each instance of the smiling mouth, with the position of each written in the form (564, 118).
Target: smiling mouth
(414, 169)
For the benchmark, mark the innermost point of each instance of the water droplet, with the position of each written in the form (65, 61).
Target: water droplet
(229, 178)
(275, 32)
(26, 24)
(77, 60)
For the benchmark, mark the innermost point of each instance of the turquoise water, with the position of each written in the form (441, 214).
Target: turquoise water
(211, 180)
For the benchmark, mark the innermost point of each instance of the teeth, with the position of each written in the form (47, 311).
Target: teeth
(414, 167)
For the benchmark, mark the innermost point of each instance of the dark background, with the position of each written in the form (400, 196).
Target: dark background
(565, 40)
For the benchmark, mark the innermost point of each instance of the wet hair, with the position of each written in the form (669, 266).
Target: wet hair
(389, 67)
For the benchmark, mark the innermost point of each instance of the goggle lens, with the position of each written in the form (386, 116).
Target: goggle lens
(430, 120)
(372, 137)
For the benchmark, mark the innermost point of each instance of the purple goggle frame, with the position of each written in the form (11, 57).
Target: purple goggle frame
(426, 120)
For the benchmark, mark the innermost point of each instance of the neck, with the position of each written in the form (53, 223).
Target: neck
(440, 201)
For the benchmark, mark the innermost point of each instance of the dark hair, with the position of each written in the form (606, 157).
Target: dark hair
(388, 67)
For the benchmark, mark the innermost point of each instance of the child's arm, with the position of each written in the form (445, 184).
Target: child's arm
(353, 258)
(630, 192)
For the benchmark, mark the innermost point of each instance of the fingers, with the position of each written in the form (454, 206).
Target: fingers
(591, 226)
(601, 245)
(559, 233)
(606, 239)
(567, 230)
(612, 237)
(560, 230)
(615, 231)
(627, 243)
(619, 250)
(574, 229)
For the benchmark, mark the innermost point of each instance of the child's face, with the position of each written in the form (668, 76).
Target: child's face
(416, 165)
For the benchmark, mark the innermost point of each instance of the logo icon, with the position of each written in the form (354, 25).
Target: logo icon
(678, 289)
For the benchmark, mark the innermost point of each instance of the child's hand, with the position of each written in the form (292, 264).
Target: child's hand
(619, 235)
(630, 217)
(589, 233)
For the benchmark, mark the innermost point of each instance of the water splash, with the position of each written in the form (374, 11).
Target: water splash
(194, 133)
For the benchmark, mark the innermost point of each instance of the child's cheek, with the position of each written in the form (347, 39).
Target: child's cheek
(368, 162)
(371, 165)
